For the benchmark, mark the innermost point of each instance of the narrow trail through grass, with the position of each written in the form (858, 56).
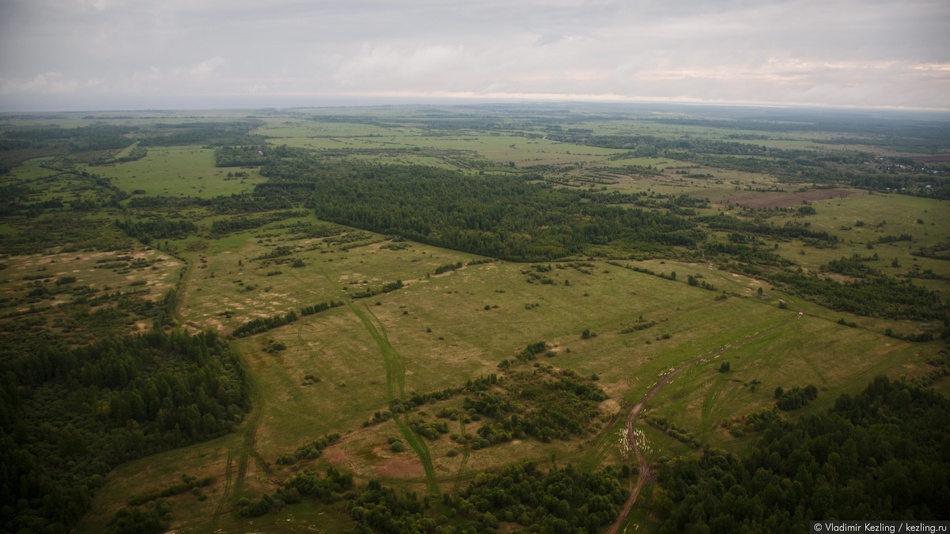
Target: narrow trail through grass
(712, 397)
(811, 365)
(228, 484)
(253, 423)
(395, 388)
(466, 452)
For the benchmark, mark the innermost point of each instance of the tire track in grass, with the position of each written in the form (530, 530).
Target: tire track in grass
(711, 398)
(234, 481)
(228, 475)
(601, 444)
(466, 450)
(253, 423)
(395, 388)
(811, 365)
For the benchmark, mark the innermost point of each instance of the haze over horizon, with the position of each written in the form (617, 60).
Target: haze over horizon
(85, 55)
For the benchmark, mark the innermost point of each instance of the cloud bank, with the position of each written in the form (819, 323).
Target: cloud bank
(70, 54)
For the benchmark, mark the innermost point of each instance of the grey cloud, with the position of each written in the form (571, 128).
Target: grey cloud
(783, 51)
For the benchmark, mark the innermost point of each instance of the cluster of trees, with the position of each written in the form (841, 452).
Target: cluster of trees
(528, 353)
(309, 451)
(448, 267)
(756, 421)
(519, 496)
(380, 509)
(880, 455)
(874, 297)
(188, 482)
(263, 324)
(795, 398)
(541, 403)
(160, 201)
(641, 324)
(941, 368)
(152, 520)
(855, 266)
(649, 142)
(31, 209)
(561, 500)
(431, 430)
(669, 428)
(160, 228)
(695, 281)
(415, 400)
(292, 191)
(69, 415)
(317, 308)
(373, 291)
(729, 223)
(751, 255)
(326, 489)
(895, 238)
(221, 227)
(240, 156)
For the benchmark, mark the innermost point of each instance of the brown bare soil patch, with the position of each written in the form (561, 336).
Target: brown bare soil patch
(402, 468)
(780, 200)
(933, 159)
(335, 455)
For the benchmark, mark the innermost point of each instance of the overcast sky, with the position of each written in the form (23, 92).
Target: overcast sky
(134, 54)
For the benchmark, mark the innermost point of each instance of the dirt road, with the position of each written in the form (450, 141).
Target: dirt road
(645, 472)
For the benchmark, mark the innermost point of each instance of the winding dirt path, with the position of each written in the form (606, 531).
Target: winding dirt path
(645, 472)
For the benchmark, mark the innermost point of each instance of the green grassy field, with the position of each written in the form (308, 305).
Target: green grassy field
(177, 171)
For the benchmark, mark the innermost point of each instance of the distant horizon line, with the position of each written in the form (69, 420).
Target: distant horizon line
(282, 102)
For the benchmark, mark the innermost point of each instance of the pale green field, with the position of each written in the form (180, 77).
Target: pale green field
(178, 171)
(30, 170)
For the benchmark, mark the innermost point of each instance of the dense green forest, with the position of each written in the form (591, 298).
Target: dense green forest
(508, 217)
(882, 454)
(68, 416)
